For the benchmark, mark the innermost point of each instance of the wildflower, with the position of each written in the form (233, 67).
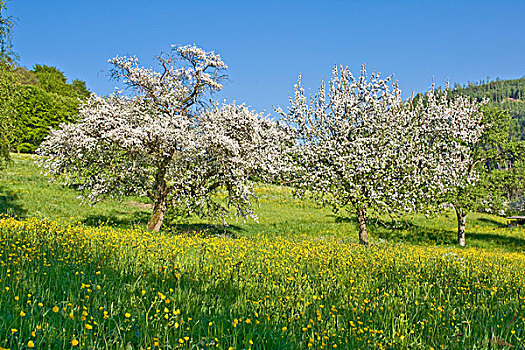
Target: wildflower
(55, 308)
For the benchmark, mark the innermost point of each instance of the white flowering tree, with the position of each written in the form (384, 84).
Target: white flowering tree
(464, 139)
(358, 146)
(161, 143)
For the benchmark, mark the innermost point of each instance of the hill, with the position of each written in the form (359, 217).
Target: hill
(295, 280)
(507, 94)
(24, 192)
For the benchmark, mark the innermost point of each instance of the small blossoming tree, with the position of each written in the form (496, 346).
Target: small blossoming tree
(357, 145)
(466, 137)
(360, 146)
(163, 143)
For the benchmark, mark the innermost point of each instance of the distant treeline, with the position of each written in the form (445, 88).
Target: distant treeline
(507, 94)
(38, 99)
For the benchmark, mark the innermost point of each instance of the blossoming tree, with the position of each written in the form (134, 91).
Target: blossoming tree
(357, 145)
(464, 139)
(163, 143)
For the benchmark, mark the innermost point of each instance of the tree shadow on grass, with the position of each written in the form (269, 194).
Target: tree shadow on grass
(424, 235)
(373, 221)
(118, 218)
(510, 243)
(343, 219)
(208, 230)
(9, 203)
(414, 234)
(491, 222)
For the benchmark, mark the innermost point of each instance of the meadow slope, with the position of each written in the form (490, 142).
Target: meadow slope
(296, 279)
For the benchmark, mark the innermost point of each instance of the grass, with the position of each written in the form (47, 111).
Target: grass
(296, 279)
(24, 192)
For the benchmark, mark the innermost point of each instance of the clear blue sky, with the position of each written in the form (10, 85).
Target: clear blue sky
(268, 43)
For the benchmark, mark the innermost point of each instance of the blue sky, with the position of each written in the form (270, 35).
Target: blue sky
(268, 43)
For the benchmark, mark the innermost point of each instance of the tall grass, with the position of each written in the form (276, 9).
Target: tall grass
(114, 288)
(296, 279)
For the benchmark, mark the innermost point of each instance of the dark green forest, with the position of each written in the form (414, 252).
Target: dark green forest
(506, 94)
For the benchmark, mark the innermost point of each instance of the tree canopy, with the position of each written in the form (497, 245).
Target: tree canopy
(164, 143)
(506, 94)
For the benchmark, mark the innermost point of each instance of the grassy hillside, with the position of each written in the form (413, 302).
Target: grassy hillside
(297, 279)
(24, 192)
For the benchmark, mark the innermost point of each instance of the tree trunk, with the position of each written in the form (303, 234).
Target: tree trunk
(159, 201)
(462, 218)
(361, 219)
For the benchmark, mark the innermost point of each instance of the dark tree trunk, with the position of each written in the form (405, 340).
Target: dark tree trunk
(159, 201)
(361, 219)
(462, 218)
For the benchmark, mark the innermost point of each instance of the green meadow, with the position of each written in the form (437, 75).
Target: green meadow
(86, 276)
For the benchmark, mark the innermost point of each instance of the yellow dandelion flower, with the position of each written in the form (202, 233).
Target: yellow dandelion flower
(55, 308)
(74, 342)
(30, 344)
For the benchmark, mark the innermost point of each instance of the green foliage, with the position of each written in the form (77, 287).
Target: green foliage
(507, 94)
(53, 80)
(6, 83)
(36, 112)
(80, 88)
(498, 160)
(6, 32)
(31, 102)
(25, 77)
(37, 100)
(6, 111)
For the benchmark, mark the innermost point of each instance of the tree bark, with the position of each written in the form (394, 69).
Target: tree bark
(462, 218)
(361, 219)
(159, 201)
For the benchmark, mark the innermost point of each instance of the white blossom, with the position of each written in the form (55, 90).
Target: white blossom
(162, 144)
(360, 146)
